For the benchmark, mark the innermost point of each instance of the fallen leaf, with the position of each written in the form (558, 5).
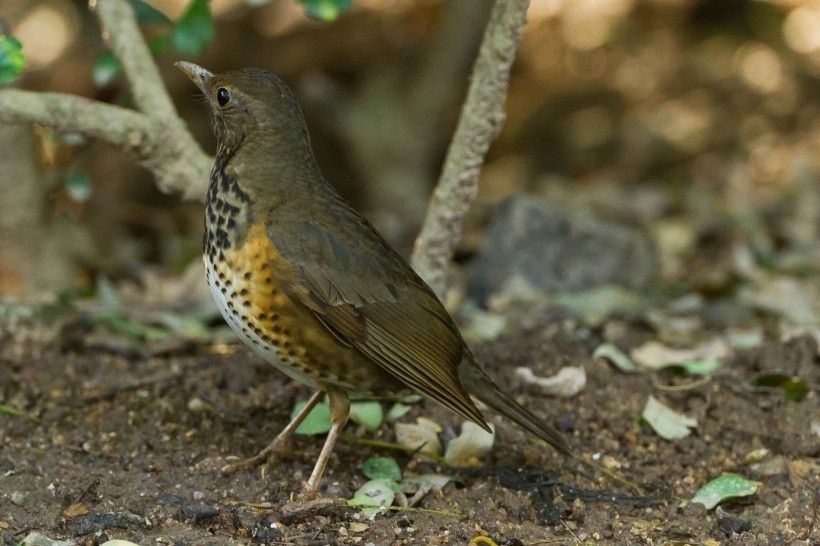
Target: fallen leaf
(75, 510)
(374, 496)
(381, 467)
(669, 424)
(610, 352)
(316, 422)
(468, 447)
(415, 436)
(656, 355)
(728, 486)
(367, 413)
(358, 527)
(568, 382)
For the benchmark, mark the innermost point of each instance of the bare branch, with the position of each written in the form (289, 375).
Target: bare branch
(122, 34)
(121, 127)
(479, 124)
(156, 137)
(161, 148)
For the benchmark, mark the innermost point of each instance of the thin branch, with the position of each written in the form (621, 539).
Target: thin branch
(122, 34)
(163, 149)
(156, 137)
(118, 126)
(479, 124)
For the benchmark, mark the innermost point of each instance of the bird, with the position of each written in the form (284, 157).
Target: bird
(311, 286)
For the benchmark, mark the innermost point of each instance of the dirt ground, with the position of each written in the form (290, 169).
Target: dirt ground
(117, 444)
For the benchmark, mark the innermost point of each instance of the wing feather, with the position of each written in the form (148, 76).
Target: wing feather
(369, 298)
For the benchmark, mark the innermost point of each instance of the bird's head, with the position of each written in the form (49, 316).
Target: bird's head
(250, 102)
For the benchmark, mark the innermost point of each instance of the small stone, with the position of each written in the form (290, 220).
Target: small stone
(17, 498)
(540, 245)
(196, 405)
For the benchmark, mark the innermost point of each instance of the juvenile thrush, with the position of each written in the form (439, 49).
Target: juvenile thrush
(309, 284)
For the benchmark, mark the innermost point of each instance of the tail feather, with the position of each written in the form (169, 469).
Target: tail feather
(482, 387)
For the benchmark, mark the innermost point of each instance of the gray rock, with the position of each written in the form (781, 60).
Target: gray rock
(551, 250)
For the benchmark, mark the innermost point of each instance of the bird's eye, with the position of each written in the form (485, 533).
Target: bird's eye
(223, 96)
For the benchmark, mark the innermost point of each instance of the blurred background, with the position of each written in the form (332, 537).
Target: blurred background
(692, 124)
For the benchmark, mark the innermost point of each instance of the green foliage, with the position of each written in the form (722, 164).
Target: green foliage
(377, 468)
(106, 69)
(317, 421)
(375, 496)
(78, 186)
(396, 411)
(190, 35)
(610, 352)
(326, 10)
(12, 60)
(149, 15)
(794, 389)
(694, 367)
(195, 29)
(367, 413)
(728, 486)
(123, 324)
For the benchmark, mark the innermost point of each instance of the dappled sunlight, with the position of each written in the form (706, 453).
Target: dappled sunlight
(47, 30)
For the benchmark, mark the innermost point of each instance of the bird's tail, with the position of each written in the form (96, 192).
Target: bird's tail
(482, 387)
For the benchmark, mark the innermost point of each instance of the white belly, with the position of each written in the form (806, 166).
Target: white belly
(244, 323)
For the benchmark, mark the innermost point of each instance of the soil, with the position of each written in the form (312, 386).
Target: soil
(123, 444)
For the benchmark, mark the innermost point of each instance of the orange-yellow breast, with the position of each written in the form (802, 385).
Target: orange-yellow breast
(248, 288)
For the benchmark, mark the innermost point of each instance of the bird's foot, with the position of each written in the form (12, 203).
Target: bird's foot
(264, 458)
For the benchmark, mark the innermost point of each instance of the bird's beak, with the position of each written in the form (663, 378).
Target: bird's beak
(201, 77)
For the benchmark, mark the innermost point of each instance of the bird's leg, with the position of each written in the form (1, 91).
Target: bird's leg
(279, 442)
(339, 411)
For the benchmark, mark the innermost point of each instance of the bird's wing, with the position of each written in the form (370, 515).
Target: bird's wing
(369, 298)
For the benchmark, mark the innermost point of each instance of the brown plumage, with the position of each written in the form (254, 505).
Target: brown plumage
(310, 285)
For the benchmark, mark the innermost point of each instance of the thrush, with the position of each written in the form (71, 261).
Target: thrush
(311, 286)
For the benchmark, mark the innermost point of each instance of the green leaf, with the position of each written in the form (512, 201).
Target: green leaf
(106, 69)
(159, 44)
(610, 352)
(728, 486)
(149, 15)
(397, 411)
(195, 29)
(374, 495)
(326, 10)
(694, 367)
(368, 413)
(794, 389)
(12, 60)
(9, 410)
(317, 422)
(382, 467)
(78, 186)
